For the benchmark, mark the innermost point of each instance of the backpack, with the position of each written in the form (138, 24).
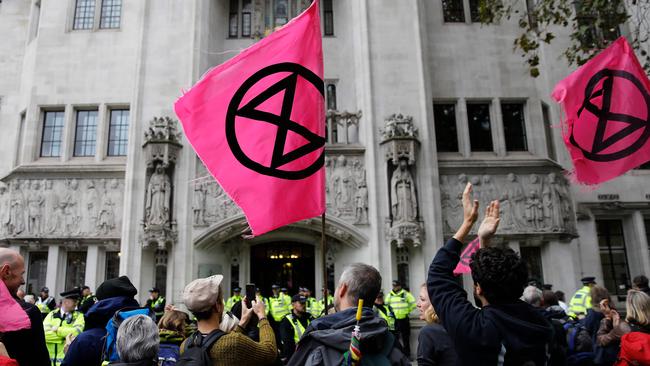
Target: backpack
(197, 349)
(168, 354)
(110, 350)
(580, 348)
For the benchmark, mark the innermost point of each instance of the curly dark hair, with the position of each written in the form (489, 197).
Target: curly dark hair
(500, 272)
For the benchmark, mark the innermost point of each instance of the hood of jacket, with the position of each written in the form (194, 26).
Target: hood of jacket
(100, 313)
(635, 346)
(522, 327)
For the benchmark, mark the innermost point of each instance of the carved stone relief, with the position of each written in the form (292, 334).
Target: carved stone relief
(346, 188)
(53, 208)
(529, 203)
(210, 203)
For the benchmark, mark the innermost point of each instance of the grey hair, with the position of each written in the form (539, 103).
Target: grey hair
(363, 282)
(8, 256)
(533, 296)
(138, 339)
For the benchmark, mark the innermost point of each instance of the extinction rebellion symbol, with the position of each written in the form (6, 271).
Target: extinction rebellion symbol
(283, 122)
(606, 115)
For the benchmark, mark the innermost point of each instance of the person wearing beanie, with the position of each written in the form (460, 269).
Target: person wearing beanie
(112, 295)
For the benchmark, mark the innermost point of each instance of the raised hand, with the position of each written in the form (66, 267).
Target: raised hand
(470, 213)
(490, 223)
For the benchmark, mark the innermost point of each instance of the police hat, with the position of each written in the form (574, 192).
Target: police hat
(284, 289)
(154, 289)
(588, 280)
(298, 298)
(237, 289)
(45, 289)
(380, 293)
(275, 287)
(73, 294)
(396, 283)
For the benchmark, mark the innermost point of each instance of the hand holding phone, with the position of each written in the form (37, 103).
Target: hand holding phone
(250, 294)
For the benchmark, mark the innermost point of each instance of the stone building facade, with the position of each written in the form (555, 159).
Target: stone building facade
(98, 180)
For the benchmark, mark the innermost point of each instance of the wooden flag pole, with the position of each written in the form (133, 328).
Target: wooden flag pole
(323, 248)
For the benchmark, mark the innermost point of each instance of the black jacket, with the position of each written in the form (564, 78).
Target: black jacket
(287, 333)
(28, 346)
(435, 348)
(515, 332)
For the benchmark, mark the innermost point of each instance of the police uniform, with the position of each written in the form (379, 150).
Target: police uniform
(45, 305)
(402, 303)
(235, 298)
(157, 305)
(581, 300)
(87, 301)
(385, 312)
(293, 327)
(59, 326)
(280, 306)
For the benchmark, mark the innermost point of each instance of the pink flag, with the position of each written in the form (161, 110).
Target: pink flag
(257, 122)
(607, 107)
(12, 316)
(466, 257)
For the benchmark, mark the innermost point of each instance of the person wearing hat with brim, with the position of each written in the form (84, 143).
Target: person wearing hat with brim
(311, 302)
(156, 302)
(45, 302)
(384, 311)
(87, 299)
(279, 307)
(112, 295)
(581, 300)
(61, 325)
(235, 298)
(403, 303)
(293, 326)
(204, 298)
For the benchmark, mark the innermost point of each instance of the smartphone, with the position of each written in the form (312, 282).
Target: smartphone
(250, 294)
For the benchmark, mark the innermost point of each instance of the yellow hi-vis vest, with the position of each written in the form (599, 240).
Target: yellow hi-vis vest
(311, 306)
(402, 303)
(388, 316)
(232, 301)
(580, 302)
(57, 329)
(298, 329)
(279, 307)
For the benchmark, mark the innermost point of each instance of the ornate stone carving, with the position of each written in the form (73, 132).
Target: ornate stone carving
(400, 139)
(543, 206)
(343, 127)
(162, 142)
(158, 198)
(210, 203)
(346, 188)
(60, 208)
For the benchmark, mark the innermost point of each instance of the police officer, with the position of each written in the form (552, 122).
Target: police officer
(311, 302)
(287, 299)
(280, 307)
(235, 298)
(402, 303)
(319, 306)
(87, 300)
(156, 302)
(581, 301)
(62, 325)
(293, 326)
(45, 302)
(258, 294)
(384, 311)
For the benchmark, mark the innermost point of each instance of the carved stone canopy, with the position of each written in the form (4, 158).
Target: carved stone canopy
(404, 233)
(161, 142)
(158, 238)
(400, 138)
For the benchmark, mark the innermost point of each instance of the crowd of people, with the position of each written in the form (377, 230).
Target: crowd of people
(512, 322)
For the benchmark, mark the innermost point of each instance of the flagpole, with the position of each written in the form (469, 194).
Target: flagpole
(323, 248)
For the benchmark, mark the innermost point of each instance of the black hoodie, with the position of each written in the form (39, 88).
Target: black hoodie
(504, 334)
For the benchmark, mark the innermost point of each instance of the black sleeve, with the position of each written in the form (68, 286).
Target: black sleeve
(52, 304)
(148, 304)
(426, 348)
(461, 319)
(160, 307)
(41, 355)
(286, 338)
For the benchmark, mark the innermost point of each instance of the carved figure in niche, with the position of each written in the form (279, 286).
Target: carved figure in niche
(554, 212)
(512, 200)
(71, 208)
(361, 200)
(329, 167)
(455, 215)
(199, 203)
(35, 209)
(54, 220)
(158, 198)
(17, 216)
(403, 197)
(488, 190)
(358, 172)
(477, 189)
(106, 220)
(5, 210)
(534, 210)
(91, 207)
(343, 186)
(445, 203)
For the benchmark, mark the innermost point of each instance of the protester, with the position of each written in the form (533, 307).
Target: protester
(635, 344)
(251, 329)
(236, 297)
(640, 283)
(137, 342)
(326, 339)
(20, 294)
(551, 303)
(385, 312)
(112, 295)
(156, 302)
(62, 325)
(555, 315)
(505, 328)
(26, 346)
(533, 296)
(30, 299)
(204, 298)
(435, 347)
(87, 299)
(293, 326)
(45, 302)
(581, 302)
(229, 321)
(603, 355)
(560, 300)
(403, 304)
(172, 333)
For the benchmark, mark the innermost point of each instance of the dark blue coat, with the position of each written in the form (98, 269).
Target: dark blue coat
(86, 349)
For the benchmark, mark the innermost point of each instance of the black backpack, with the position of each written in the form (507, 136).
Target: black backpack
(197, 349)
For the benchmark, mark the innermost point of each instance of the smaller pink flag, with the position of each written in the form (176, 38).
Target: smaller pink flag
(12, 316)
(466, 257)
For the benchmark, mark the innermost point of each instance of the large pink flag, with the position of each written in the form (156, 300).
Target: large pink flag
(257, 122)
(607, 107)
(12, 315)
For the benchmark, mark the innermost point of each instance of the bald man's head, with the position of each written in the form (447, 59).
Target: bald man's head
(12, 269)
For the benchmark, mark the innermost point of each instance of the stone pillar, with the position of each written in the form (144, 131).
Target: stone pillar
(588, 252)
(92, 266)
(54, 262)
(557, 261)
(638, 254)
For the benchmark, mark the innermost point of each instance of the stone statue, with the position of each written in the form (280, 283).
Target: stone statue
(53, 202)
(71, 208)
(455, 216)
(5, 210)
(106, 222)
(158, 198)
(35, 209)
(488, 190)
(329, 168)
(361, 200)
(534, 210)
(199, 203)
(91, 203)
(342, 183)
(403, 198)
(553, 205)
(512, 200)
(17, 215)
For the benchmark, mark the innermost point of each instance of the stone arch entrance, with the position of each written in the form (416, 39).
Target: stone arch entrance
(288, 264)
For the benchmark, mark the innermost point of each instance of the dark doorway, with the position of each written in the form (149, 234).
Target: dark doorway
(287, 264)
